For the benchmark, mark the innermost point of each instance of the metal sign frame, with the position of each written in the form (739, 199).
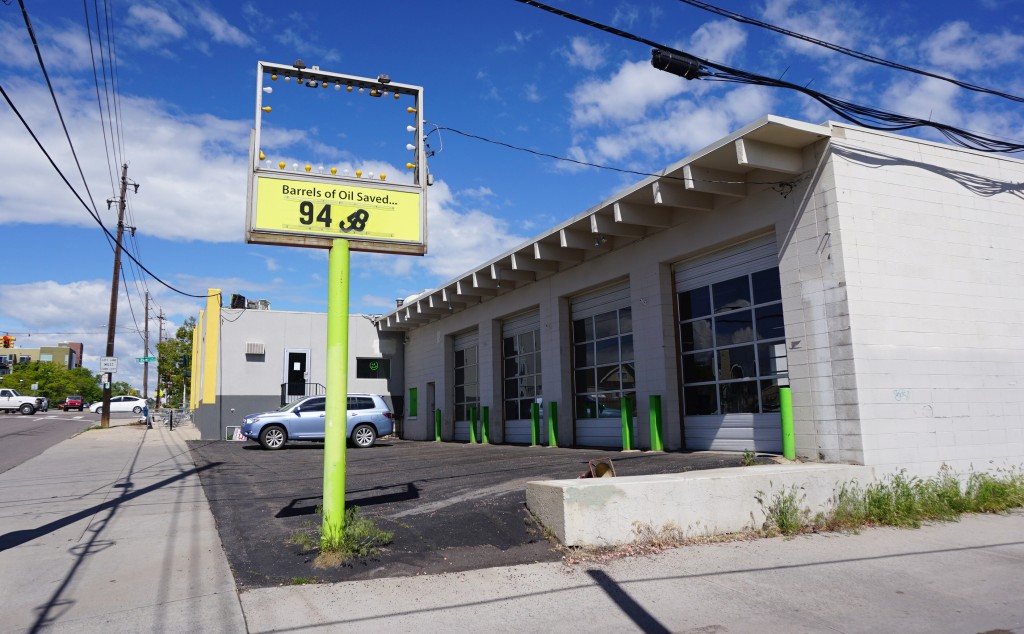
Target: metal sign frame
(298, 196)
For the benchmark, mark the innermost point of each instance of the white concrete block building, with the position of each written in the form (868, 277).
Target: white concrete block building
(880, 277)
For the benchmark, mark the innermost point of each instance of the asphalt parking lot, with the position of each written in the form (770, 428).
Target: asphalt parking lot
(451, 506)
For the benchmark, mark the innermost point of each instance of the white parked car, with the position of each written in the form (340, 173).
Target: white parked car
(120, 404)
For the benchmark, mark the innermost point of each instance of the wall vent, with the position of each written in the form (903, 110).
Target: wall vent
(251, 347)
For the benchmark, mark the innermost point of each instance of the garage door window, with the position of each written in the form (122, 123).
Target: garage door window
(522, 373)
(466, 383)
(733, 345)
(603, 363)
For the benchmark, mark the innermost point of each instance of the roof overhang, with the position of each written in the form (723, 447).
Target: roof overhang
(769, 151)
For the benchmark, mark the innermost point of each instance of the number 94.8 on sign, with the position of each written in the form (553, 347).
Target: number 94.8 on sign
(356, 221)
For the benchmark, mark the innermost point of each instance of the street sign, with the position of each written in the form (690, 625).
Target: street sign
(145, 359)
(108, 364)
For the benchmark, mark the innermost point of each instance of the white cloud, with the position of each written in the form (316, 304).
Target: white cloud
(924, 98)
(65, 48)
(221, 29)
(684, 126)
(582, 53)
(625, 96)
(477, 192)
(837, 23)
(152, 27)
(532, 94)
(956, 47)
(625, 16)
(718, 41)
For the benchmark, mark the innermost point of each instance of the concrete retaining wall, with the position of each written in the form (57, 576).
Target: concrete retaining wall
(603, 511)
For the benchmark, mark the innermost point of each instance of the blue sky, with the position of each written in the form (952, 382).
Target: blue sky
(499, 69)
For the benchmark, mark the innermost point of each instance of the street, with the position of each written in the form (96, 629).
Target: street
(25, 437)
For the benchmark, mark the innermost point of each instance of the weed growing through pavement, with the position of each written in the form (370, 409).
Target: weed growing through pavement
(897, 500)
(303, 540)
(749, 458)
(301, 581)
(360, 538)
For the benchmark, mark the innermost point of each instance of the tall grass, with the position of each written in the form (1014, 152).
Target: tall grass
(897, 500)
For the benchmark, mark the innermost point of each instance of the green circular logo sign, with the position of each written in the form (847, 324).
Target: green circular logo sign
(374, 366)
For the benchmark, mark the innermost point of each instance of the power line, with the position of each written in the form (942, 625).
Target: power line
(693, 67)
(99, 104)
(73, 191)
(866, 57)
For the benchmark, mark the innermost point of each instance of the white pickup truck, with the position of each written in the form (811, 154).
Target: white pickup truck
(12, 401)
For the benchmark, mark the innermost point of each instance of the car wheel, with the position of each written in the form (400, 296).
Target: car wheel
(273, 437)
(136, 410)
(27, 409)
(364, 436)
(99, 410)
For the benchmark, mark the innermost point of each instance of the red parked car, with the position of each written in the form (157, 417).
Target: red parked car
(73, 402)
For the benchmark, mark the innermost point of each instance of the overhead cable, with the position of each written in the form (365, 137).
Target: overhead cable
(694, 67)
(866, 57)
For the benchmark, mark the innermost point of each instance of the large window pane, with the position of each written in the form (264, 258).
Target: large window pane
(512, 388)
(626, 345)
(769, 322)
(699, 367)
(628, 376)
(460, 376)
(608, 351)
(696, 335)
(771, 358)
(585, 355)
(606, 325)
(766, 286)
(731, 294)
(609, 405)
(695, 303)
(770, 396)
(511, 410)
(625, 320)
(583, 329)
(509, 346)
(525, 407)
(608, 377)
(738, 398)
(737, 327)
(526, 342)
(586, 406)
(460, 358)
(511, 367)
(736, 363)
(586, 380)
(701, 400)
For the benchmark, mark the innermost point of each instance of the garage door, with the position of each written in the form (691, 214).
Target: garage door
(732, 348)
(465, 381)
(602, 326)
(520, 351)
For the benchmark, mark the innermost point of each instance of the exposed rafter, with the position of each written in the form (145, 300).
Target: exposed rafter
(702, 179)
(751, 153)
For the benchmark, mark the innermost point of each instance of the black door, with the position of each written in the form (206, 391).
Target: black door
(296, 373)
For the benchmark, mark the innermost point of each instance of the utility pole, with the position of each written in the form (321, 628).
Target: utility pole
(112, 320)
(145, 364)
(160, 384)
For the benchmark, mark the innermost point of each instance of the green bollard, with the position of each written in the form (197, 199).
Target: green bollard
(485, 426)
(437, 425)
(788, 438)
(552, 424)
(657, 441)
(627, 423)
(534, 424)
(472, 425)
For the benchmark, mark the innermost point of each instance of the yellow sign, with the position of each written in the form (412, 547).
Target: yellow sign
(328, 209)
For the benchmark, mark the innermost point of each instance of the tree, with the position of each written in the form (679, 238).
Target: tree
(175, 363)
(55, 381)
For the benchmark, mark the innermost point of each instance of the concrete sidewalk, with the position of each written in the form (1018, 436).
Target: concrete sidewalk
(110, 531)
(954, 577)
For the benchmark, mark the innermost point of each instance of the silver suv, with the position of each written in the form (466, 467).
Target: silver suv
(369, 417)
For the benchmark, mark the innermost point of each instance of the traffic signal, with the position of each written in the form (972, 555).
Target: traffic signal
(7, 341)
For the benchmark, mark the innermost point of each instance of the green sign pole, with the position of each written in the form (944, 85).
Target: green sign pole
(437, 425)
(472, 425)
(485, 425)
(335, 415)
